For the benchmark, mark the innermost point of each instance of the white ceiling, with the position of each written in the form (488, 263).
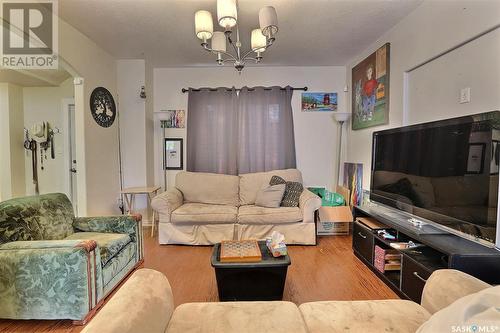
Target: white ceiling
(311, 32)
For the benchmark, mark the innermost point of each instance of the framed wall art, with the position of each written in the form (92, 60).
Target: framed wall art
(317, 102)
(173, 154)
(370, 90)
(175, 119)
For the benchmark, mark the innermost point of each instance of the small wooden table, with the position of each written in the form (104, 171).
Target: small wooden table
(129, 194)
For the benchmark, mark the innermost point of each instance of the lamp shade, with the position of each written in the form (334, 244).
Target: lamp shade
(227, 13)
(219, 41)
(258, 41)
(203, 24)
(341, 116)
(268, 21)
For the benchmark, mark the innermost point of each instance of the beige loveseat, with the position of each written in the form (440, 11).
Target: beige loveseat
(205, 208)
(450, 299)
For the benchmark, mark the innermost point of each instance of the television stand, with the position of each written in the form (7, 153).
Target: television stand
(405, 220)
(436, 250)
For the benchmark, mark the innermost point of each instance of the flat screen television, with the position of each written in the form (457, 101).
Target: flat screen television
(445, 172)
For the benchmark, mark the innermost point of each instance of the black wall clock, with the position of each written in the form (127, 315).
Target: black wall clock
(102, 106)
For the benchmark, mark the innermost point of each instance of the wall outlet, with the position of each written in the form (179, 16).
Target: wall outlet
(464, 95)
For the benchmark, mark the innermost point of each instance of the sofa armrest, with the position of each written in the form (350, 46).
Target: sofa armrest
(143, 304)
(308, 204)
(49, 279)
(168, 201)
(445, 286)
(121, 224)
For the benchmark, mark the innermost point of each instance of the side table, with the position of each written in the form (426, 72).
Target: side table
(150, 192)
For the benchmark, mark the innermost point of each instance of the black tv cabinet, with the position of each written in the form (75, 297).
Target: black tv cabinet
(440, 250)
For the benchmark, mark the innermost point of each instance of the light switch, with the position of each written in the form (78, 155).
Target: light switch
(464, 95)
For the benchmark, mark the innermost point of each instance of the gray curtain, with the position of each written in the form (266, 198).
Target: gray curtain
(212, 131)
(265, 129)
(235, 134)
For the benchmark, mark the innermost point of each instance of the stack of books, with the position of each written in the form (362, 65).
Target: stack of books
(387, 259)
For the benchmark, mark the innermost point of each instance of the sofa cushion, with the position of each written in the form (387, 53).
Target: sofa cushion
(39, 217)
(251, 183)
(363, 316)
(209, 188)
(270, 196)
(480, 309)
(251, 214)
(109, 243)
(193, 213)
(293, 190)
(241, 317)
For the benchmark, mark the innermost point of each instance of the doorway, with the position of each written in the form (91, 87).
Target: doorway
(68, 108)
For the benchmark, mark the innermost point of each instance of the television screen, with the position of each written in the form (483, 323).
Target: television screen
(444, 171)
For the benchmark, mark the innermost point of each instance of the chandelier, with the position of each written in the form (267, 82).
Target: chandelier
(227, 16)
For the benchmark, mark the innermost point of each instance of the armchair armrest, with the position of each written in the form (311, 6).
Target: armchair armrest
(121, 224)
(308, 204)
(49, 279)
(168, 201)
(49, 244)
(445, 286)
(144, 303)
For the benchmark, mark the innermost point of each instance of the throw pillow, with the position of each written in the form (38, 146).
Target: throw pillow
(293, 190)
(270, 195)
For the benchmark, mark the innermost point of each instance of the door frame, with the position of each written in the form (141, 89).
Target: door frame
(65, 103)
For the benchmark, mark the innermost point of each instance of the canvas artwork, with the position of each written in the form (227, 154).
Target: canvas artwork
(175, 119)
(370, 90)
(353, 180)
(313, 102)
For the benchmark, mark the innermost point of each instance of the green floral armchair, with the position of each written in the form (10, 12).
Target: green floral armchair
(54, 265)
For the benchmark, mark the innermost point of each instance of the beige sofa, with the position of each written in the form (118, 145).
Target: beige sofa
(450, 299)
(205, 208)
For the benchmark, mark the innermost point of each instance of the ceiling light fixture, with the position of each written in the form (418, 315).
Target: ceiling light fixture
(227, 17)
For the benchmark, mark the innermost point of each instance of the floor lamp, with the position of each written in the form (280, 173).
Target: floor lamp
(341, 118)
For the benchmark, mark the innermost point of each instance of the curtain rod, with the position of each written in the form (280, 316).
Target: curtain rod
(184, 90)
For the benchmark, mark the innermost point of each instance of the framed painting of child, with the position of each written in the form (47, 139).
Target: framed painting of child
(370, 90)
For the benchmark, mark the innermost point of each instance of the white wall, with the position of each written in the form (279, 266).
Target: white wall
(11, 135)
(98, 179)
(45, 104)
(316, 134)
(5, 187)
(436, 85)
(130, 77)
(431, 29)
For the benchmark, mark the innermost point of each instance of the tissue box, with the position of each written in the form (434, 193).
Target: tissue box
(278, 249)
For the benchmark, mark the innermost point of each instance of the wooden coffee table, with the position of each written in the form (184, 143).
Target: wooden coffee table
(251, 281)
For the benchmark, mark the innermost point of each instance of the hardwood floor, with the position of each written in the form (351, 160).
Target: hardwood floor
(328, 271)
